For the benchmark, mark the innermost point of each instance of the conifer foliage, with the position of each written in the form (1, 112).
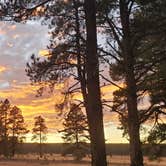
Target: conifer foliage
(75, 132)
(12, 127)
(39, 132)
(17, 128)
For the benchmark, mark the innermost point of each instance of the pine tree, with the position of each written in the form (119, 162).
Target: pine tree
(17, 128)
(74, 55)
(39, 132)
(12, 127)
(4, 126)
(75, 132)
(135, 51)
(156, 138)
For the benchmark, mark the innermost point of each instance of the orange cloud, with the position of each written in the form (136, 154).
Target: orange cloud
(2, 69)
(44, 53)
(105, 90)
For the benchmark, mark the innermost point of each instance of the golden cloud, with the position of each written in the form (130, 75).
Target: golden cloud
(107, 93)
(2, 69)
(44, 53)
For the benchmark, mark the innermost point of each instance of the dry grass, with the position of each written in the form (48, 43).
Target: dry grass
(57, 160)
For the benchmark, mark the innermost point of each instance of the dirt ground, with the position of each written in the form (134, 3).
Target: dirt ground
(67, 161)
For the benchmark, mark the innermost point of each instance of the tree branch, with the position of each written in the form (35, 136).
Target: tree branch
(111, 82)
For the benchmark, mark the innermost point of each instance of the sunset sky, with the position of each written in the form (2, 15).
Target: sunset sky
(17, 43)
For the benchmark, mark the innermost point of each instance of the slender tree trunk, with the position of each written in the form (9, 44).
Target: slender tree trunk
(41, 154)
(136, 157)
(5, 150)
(77, 136)
(13, 141)
(94, 110)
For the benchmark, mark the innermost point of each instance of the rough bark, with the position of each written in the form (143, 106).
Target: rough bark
(136, 157)
(94, 110)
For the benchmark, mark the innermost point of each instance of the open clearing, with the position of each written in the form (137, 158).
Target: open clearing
(67, 161)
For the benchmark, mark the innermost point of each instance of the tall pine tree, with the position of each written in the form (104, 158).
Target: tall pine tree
(17, 128)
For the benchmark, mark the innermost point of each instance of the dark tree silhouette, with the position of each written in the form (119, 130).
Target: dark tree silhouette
(130, 40)
(94, 104)
(88, 73)
(75, 132)
(12, 127)
(39, 132)
(17, 128)
(4, 125)
(157, 136)
(135, 51)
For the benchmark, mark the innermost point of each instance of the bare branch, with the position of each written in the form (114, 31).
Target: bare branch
(25, 6)
(111, 82)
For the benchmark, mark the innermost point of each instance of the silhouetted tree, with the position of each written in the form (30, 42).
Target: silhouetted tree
(75, 132)
(69, 51)
(156, 137)
(4, 125)
(12, 127)
(133, 47)
(17, 128)
(94, 104)
(39, 132)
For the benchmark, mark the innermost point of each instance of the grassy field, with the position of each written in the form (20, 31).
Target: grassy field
(57, 160)
(58, 148)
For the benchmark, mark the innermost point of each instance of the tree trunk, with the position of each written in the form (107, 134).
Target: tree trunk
(41, 154)
(136, 157)
(94, 110)
(5, 147)
(13, 141)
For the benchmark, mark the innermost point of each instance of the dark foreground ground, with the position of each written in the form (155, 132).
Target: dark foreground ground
(57, 160)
